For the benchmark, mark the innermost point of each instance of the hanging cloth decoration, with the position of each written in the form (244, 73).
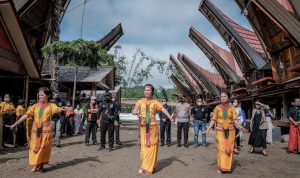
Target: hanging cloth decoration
(148, 143)
(225, 109)
(39, 131)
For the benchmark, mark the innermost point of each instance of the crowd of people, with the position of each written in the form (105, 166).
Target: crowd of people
(228, 120)
(42, 125)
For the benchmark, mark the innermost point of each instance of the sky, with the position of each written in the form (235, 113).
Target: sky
(157, 27)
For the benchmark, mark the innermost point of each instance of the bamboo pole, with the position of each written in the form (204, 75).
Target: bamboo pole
(26, 91)
(74, 88)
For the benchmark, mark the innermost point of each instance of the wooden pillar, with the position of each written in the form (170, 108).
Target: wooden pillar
(94, 89)
(74, 87)
(1, 131)
(26, 91)
(284, 107)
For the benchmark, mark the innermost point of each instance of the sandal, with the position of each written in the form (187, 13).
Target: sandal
(140, 171)
(33, 169)
(265, 153)
(252, 150)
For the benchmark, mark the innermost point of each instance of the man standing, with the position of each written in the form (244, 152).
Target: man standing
(92, 122)
(165, 124)
(183, 113)
(294, 137)
(55, 122)
(117, 121)
(7, 110)
(108, 112)
(199, 113)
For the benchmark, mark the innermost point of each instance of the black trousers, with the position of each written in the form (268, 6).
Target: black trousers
(165, 129)
(91, 127)
(21, 135)
(70, 126)
(109, 127)
(8, 134)
(117, 132)
(237, 139)
(185, 127)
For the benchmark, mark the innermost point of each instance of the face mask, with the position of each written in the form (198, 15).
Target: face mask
(6, 99)
(77, 107)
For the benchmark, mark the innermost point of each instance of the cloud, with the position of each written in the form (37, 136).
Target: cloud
(157, 27)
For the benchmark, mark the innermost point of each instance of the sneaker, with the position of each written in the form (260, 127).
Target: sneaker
(168, 144)
(94, 143)
(110, 149)
(196, 145)
(87, 144)
(162, 144)
(118, 143)
(101, 148)
(178, 145)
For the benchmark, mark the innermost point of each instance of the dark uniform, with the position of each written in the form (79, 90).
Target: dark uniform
(108, 111)
(117, 127)
(165, 127)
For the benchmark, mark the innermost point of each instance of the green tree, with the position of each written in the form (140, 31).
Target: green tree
(78, 52)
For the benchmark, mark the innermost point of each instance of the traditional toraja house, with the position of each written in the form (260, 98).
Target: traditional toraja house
(209, 84)
(193, 85)
(243, 44)
(248, 52)
(25, 28)
(221, 59)
(277, 24)
(185, 91)
(276, 35)
(111, 38)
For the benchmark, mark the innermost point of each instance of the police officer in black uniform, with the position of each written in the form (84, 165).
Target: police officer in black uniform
(108, 112)
(165, 124)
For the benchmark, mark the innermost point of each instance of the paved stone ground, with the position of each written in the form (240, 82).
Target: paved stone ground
(74, 159)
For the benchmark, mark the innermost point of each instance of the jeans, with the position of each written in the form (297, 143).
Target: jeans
(91, 127)
(165, 127)
(56, 125)
(199, 124)
(185, 127)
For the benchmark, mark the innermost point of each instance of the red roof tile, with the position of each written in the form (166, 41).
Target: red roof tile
(212, 77)
(225, 55)
(248, 35)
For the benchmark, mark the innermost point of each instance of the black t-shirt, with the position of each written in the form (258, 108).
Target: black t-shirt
(295, 113)
(163, 115)
(199, 112)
